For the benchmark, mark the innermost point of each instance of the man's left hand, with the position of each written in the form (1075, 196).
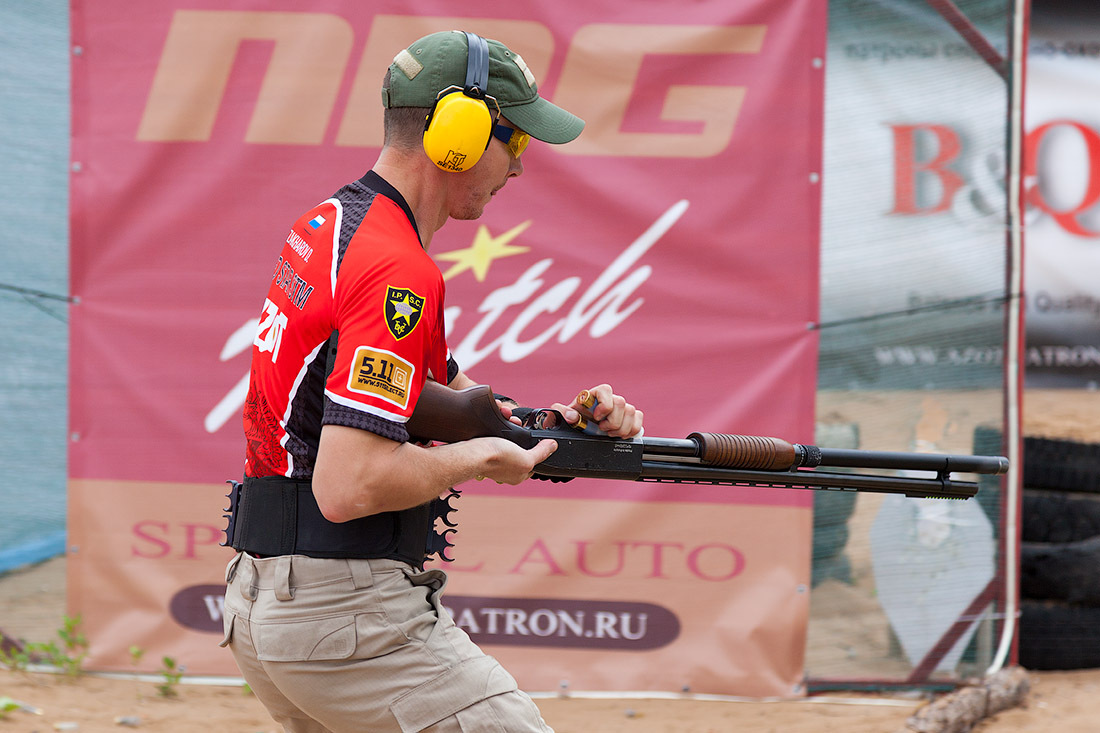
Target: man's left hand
(611, 412)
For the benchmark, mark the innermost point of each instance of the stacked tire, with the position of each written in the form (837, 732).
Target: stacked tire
(1060, 555)
(832, 510)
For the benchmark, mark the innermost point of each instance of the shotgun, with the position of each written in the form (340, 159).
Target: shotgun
(448, 416)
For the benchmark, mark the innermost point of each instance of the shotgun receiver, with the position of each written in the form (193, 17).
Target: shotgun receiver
(449, 416)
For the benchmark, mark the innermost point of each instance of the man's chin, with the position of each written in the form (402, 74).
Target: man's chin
(468, 214)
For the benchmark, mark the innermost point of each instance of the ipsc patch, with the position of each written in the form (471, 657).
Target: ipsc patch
(403, 309)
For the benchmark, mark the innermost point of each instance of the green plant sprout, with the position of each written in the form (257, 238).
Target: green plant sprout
(69, 655)
(172, 672)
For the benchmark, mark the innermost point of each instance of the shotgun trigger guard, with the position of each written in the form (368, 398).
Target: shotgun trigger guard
(551, 479)
(537, 420)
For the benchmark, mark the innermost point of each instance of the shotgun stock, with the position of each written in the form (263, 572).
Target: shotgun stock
(449, 416)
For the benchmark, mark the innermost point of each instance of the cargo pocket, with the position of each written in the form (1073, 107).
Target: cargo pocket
(444, 695)
(299, 641)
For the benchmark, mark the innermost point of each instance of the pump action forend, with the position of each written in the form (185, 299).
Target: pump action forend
(449, 416)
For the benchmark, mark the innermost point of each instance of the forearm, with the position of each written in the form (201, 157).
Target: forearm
(461, 381)
(359, 473)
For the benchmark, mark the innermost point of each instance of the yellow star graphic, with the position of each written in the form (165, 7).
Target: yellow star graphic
(485, 248)
(402, 308)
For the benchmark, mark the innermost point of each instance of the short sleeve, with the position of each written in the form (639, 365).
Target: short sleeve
(388, 311)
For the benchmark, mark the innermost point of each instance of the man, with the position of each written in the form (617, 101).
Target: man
(328, 611)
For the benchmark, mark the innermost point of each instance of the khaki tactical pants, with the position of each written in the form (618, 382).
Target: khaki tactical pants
(335, 646)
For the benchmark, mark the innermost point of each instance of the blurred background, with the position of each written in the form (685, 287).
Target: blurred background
(914, 315)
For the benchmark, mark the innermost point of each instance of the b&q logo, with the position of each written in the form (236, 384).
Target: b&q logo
(913, 173)
(312, 52)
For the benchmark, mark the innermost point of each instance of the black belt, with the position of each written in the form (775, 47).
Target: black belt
(275, 515)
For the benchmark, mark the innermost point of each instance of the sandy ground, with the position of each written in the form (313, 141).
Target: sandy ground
(94, 704)
(32, 607)
(1066, 702)
(1059, 701)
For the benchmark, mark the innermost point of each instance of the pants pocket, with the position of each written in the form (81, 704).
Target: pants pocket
(228, 620)
(432, 582)
(299, 641)
(231, 568)
(456, 689)
(358, 636)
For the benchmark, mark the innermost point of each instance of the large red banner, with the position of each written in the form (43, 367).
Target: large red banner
(671, 250)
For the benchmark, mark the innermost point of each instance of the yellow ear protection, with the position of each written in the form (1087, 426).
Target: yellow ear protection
(460, 124)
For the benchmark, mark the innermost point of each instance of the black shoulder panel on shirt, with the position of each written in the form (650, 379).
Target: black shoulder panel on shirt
(355, 199)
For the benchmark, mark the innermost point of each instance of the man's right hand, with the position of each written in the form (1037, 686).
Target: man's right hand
(509, 464)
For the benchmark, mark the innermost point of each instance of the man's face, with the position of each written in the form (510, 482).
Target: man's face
(479, 184)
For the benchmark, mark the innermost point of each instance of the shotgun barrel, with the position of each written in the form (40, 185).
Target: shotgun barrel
(449, 416)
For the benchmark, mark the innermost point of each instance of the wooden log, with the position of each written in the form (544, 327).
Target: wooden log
(961, 710)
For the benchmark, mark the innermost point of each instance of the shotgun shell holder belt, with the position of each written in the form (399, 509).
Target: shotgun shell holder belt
(275, 515)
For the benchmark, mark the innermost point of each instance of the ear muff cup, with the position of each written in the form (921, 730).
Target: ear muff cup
(459, 126)
(457, 131)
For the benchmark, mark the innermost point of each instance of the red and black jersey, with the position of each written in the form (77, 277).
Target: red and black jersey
(352, 326)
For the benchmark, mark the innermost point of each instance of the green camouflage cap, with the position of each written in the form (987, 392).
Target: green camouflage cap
(437, 61)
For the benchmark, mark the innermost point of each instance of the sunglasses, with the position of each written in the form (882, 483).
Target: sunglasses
(516, 140)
